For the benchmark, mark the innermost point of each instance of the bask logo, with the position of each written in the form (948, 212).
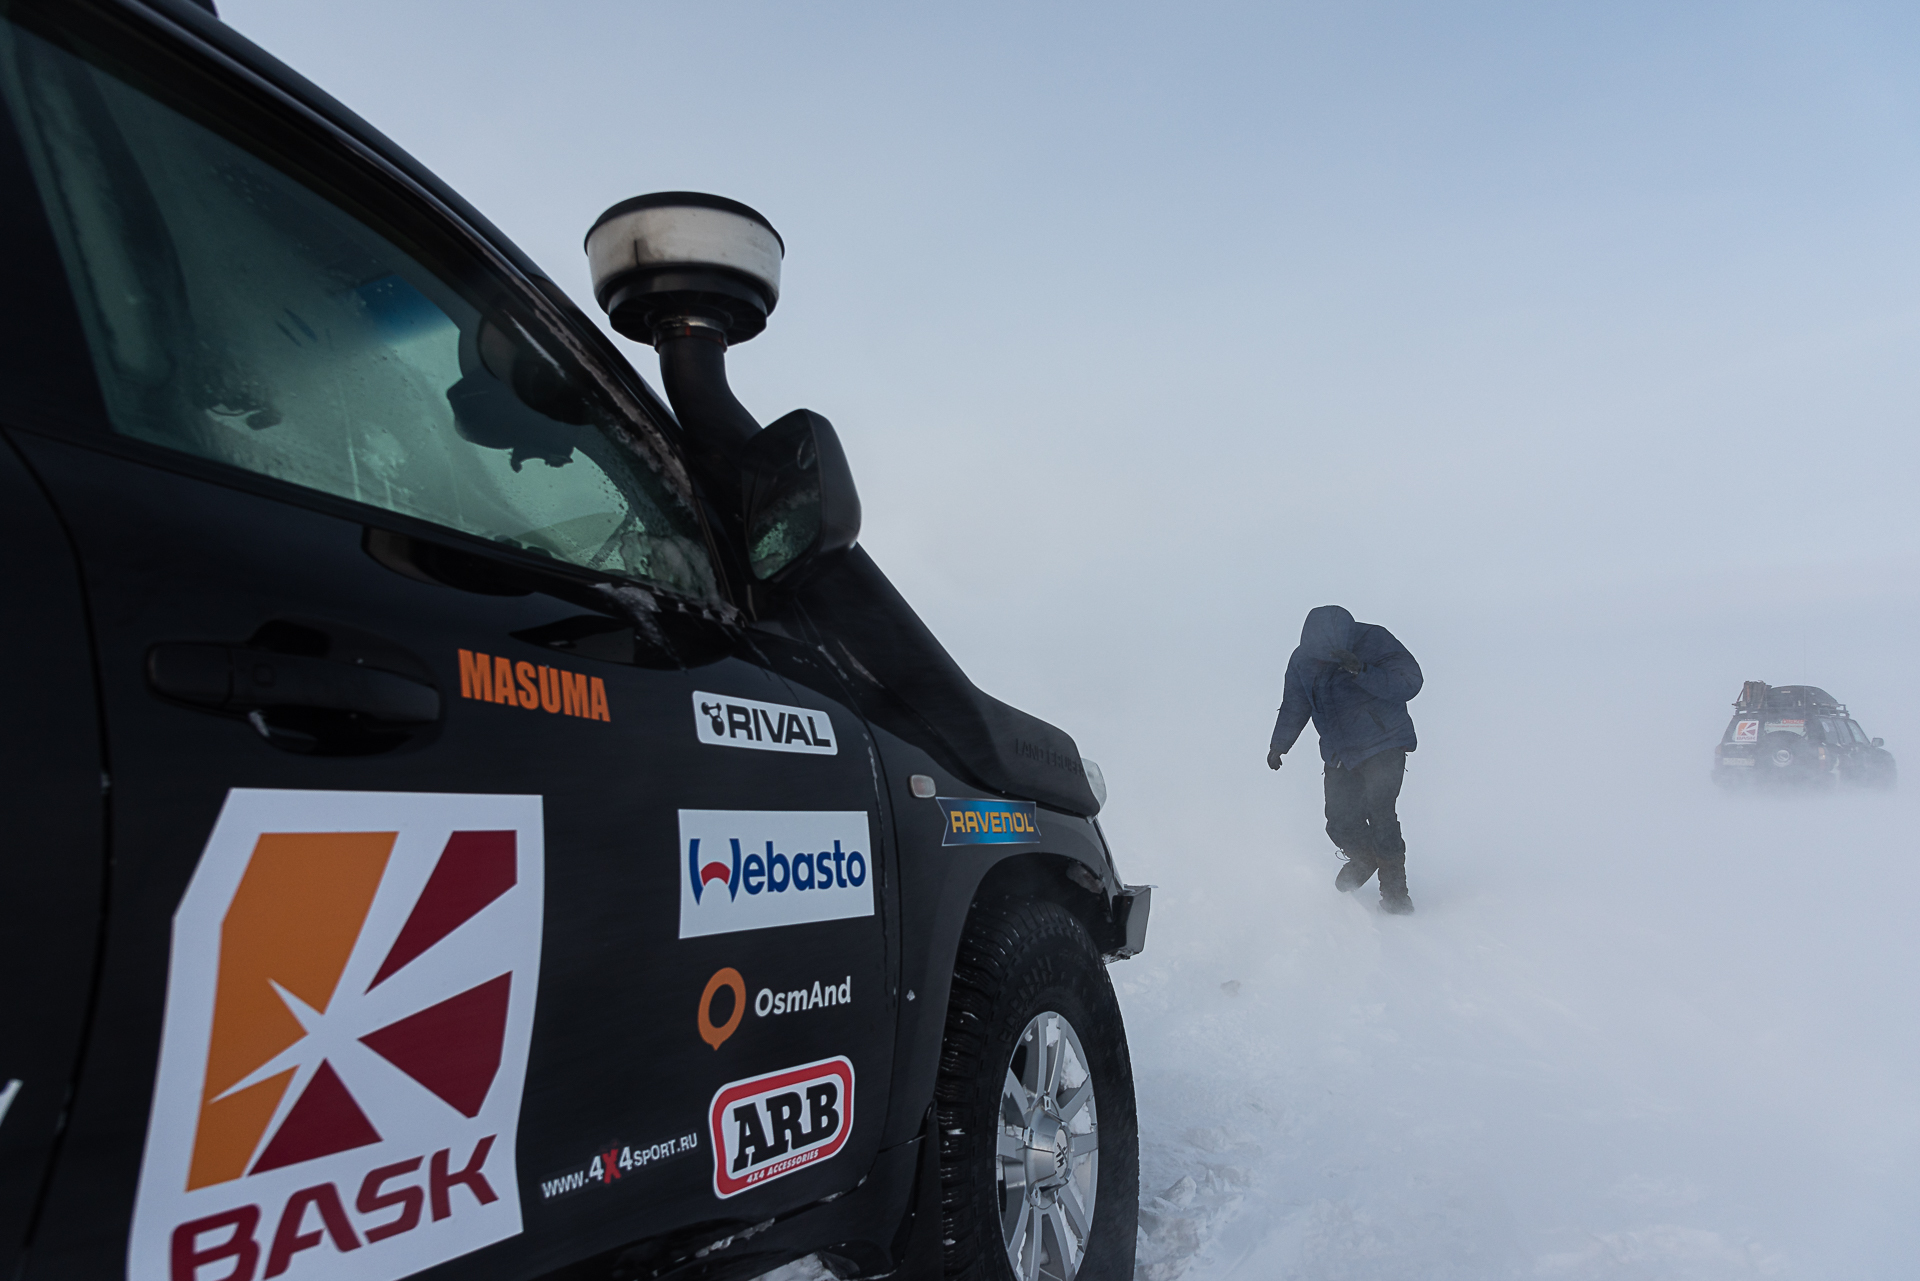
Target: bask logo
(767, 1127)
(350, 996)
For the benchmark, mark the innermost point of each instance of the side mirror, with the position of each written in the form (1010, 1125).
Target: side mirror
(1879, 742)
(797, 496)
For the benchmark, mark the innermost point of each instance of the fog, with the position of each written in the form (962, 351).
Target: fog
(1573, 344)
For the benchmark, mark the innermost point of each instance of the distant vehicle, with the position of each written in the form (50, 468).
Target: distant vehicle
(1798, 734)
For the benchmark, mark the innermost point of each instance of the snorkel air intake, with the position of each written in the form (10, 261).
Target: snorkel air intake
(690, 274)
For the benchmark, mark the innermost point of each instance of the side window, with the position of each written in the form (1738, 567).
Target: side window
(1859, 735)
(237, 315)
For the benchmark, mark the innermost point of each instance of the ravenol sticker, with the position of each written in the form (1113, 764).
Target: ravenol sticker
(725, 721)
(756, 869)
(974, 822)
(767, 1127)
(1746, 731)
(350, 996)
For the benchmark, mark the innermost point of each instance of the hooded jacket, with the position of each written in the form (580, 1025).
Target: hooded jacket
(1355, 716)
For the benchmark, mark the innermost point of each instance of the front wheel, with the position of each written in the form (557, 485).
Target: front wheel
(1039, 1146)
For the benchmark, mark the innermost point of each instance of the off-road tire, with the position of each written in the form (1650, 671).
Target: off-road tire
(1018, 959)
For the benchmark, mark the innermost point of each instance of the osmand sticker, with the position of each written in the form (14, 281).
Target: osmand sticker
(756, 869)
(767, 1127)
(350, 995)
(1746, 731)
(722, 720)
(976, 822)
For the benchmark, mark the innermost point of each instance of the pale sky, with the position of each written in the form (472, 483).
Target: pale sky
(1582, 334)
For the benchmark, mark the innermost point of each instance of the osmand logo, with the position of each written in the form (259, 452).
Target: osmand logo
(350, 995)
(756, 869)
(976, 822)
(723, 720)
(767, 1127)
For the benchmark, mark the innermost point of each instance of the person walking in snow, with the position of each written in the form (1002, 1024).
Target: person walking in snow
(1354, 680)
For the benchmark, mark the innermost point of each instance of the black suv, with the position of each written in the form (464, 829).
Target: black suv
(469, 817)
(1797, 734)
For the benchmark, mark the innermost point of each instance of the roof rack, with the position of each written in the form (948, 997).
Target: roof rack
(1758, 696)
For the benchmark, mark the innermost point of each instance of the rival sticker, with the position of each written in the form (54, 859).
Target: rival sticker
(725, 721)
(767, 1127)
(350, 997)
(756, 869)
(976, 822)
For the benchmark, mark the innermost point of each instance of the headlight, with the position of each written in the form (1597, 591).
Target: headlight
(1095, 780)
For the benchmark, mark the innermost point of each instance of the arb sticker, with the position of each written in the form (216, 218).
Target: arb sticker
(350, 994)
(755, 869)
(767, 1127)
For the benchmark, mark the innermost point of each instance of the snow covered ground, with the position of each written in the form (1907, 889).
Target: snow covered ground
(1603, 1048)
(1637, 1028)
(1665, 1035)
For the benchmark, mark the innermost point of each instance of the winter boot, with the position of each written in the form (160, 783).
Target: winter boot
(1357, 872)
(1393, 889)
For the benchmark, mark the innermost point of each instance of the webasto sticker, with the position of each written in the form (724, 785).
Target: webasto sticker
(977, 822)
(350, 996)
(756, 869)
(726, 721)
(767, 1127)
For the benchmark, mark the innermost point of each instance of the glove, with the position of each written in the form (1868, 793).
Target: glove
(1274, 758)
(1349, 661)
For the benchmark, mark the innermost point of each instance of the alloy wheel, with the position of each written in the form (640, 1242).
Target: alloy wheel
(1048, 1151)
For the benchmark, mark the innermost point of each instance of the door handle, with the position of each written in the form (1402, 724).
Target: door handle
(234, 678)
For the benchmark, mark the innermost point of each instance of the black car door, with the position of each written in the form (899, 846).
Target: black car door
(483, 895)
(53, 793)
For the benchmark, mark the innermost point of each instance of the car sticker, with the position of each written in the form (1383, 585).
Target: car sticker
(350, 997)
(1746, 732)
(533, 687)
(757, 869)
(978, 822)
(723, 720)
(614, 1163)
(767, 1127)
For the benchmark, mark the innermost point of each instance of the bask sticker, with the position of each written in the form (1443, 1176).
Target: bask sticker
(350, 996)
(767, 1127)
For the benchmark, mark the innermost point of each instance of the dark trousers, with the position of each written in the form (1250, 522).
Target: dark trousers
(1360, 815)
